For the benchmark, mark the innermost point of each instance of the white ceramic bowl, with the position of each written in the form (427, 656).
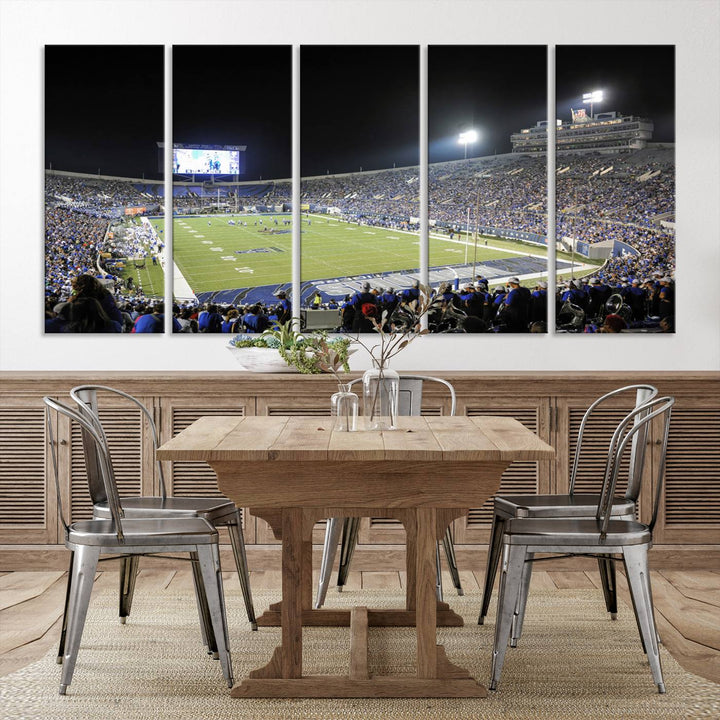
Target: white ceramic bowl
(261, 360)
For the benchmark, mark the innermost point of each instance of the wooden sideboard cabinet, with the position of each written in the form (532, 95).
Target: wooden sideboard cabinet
(550, 404)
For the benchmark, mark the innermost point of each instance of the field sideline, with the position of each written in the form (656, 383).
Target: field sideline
(214, 255)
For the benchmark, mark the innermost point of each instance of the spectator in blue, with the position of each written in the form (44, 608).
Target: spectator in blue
(230, 320)
(388, 300)
(365, 306)
(538, 303)
(255, 320)
(347, 314)
(636, 298)
(517, 306)
(575, 294)
(598, 293)
(284, 312)
(211, 320)
(153, 322)
(448, 296)
(666, 298)
(410, 294)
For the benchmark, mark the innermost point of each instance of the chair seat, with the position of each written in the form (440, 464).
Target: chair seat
(559, 506)
(575, 532)
(148, 506)
(146, 531)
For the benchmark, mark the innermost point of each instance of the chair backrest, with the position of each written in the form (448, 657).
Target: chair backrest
(634, 424)
(643, 394)
(86, 397)
(100, 455)
(410, 393)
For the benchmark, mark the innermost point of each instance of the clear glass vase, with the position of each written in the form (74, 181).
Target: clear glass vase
(344, 408)
(381, 387)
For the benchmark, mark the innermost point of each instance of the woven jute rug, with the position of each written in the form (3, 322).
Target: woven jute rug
(572, 662)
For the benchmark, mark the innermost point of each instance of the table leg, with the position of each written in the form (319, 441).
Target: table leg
(286, 662)
(436, 676)
(425, 598)
(292, 583)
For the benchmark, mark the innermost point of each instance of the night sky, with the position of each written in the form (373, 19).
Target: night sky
(636, 80)
(236, 95)
(359, 107)
(104, 108)
(359, 104)
(496, 90)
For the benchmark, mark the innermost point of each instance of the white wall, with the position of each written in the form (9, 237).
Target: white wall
(693, 25)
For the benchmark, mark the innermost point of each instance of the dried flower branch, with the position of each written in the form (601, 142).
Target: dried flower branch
(398, 329)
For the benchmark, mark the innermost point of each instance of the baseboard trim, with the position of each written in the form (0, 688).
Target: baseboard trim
(18, 558)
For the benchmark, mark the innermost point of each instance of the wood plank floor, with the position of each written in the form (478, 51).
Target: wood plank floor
(687, 605)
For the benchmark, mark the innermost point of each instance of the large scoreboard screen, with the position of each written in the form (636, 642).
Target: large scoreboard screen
(208, 161)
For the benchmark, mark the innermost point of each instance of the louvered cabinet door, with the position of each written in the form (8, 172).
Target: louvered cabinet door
(28, 509)
(520, 477)
(131, 450)
(198, 479)
(690, 504)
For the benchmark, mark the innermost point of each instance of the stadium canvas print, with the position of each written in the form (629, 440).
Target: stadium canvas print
(615, 188)
(103, 189)
(359, 127)
(487, 196)
(232, 230)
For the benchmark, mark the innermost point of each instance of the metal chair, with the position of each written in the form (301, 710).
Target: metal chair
(130, 538)
(603, 536)
(572, 504)
(219, 511)
(409, 403)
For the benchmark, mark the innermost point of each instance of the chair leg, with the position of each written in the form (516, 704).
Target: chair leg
(333, 528)
(449, 548)
(238, 546)
(206, 629)
(212, 588)
(81, 583)
(493, 560)
(351, 526)
(510, 579)
(607, 577)
(638, 577)
(519, 617)
(438, 574)
(128, 574)
(63, 631)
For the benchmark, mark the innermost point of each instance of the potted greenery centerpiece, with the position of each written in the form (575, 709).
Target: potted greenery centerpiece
(285, 350)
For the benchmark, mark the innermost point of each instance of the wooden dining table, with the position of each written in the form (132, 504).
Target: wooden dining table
(294, 471)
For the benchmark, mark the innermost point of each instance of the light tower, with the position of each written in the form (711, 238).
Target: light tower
(591, 98)
(467, 137)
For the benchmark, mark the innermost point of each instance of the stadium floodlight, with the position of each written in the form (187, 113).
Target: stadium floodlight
(591, 98)
(467, 137)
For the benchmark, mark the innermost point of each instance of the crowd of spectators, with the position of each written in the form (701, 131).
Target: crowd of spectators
(72, 243)
(91, 196)
(620, 197)
(472, 308)
(599, 198)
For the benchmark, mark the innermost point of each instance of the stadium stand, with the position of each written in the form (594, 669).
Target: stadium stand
(624, 201)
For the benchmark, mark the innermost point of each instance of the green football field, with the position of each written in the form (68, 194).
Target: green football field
(214, 255)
